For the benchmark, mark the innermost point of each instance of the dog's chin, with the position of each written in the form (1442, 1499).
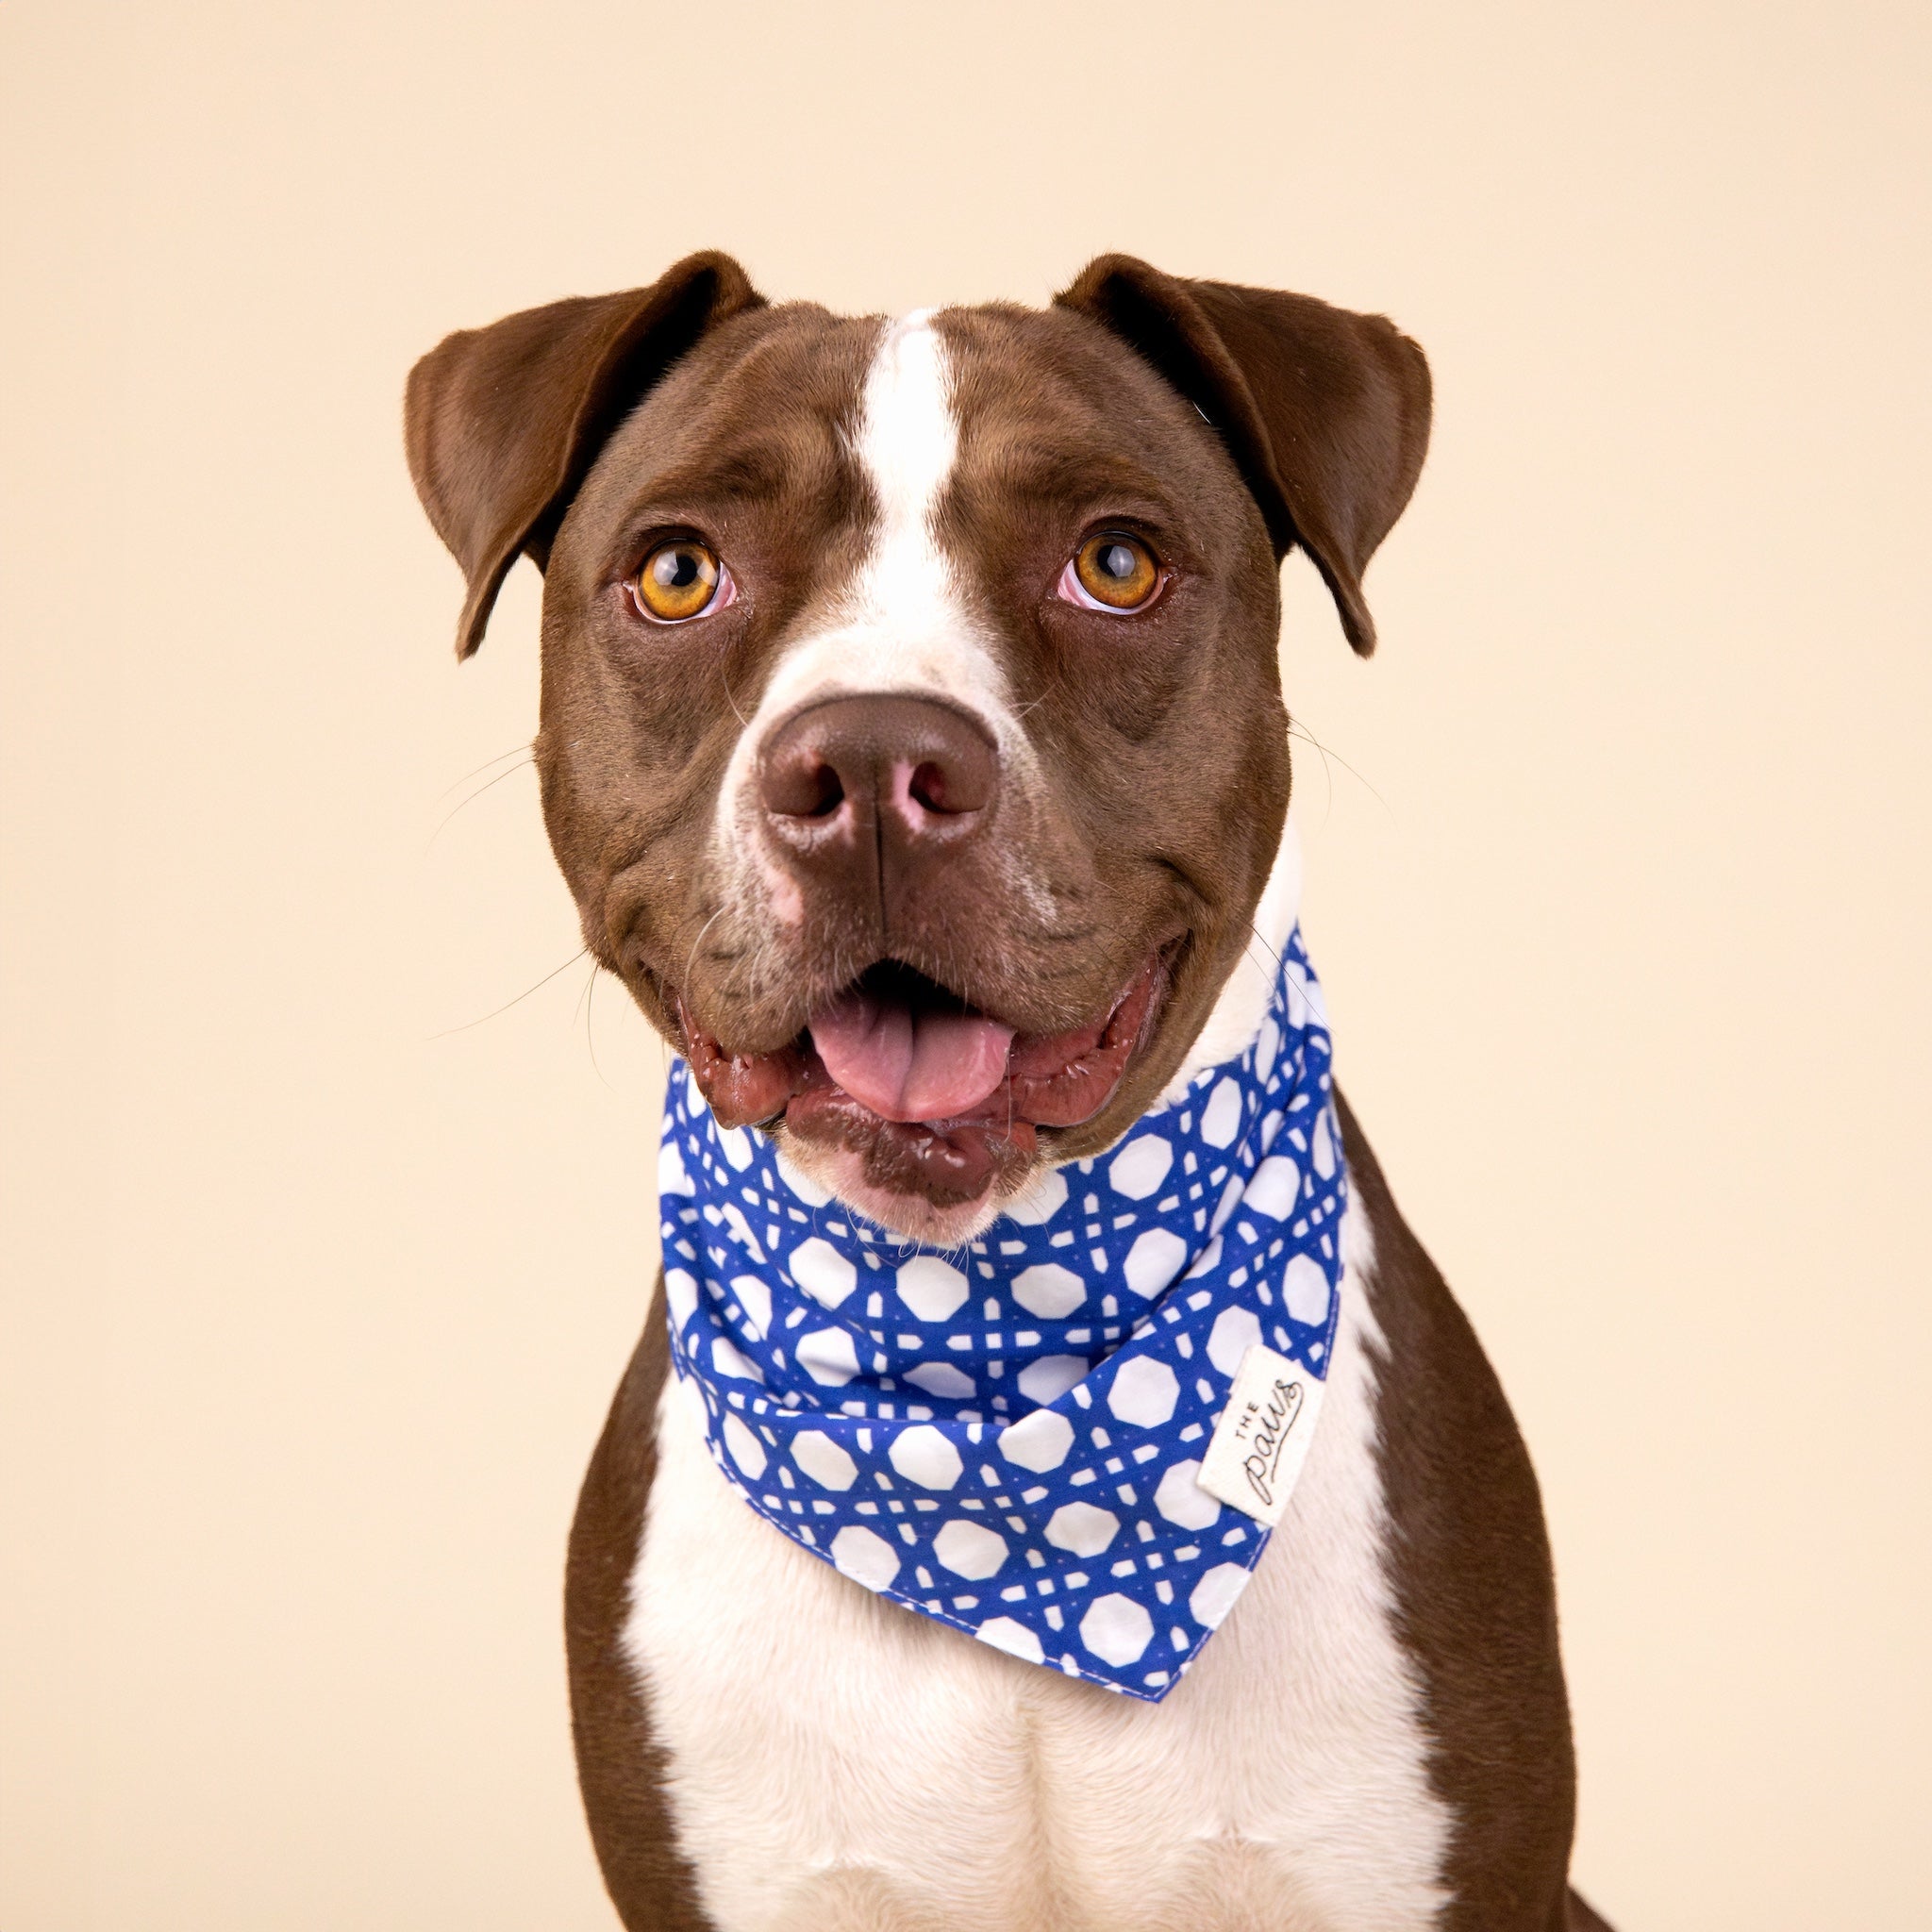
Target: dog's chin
(918, 1111)
(843, 1173)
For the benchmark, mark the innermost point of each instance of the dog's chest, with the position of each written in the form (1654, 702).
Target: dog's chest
(836, 1762)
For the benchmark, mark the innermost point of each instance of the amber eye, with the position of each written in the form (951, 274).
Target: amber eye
(1114, 571)
(678, 580)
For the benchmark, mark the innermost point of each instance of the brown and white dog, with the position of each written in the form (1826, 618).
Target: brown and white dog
(910, 699)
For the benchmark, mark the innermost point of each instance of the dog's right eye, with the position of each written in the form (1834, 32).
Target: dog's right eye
(681, 580)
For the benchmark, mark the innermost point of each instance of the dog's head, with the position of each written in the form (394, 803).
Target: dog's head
(912, 737)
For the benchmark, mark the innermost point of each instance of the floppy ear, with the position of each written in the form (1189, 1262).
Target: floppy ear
(1325, 412)
(503, 424)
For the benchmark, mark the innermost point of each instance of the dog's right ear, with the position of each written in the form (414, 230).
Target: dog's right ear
(503, 424)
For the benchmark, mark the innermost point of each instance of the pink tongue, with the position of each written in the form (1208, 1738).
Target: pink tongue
(911, 1066)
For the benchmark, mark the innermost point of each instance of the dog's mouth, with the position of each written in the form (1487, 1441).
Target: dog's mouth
(935, 1097)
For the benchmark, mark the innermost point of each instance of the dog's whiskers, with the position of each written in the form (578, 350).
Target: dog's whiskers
(515, 751)
(528, 759)
(586, 1003)
(518, 1001)
(689, 964)
(1328, 758)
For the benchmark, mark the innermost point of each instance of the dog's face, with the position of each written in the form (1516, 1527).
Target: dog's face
(930, 854)
(912, 738)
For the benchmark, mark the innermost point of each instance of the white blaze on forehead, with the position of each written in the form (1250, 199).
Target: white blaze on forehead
(901, 624)
(907, 441)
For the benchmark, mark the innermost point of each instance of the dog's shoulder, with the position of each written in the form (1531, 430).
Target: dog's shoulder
(621, 1764)
(1469, 1566)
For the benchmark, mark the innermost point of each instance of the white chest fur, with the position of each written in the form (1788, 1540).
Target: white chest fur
(837, 1763)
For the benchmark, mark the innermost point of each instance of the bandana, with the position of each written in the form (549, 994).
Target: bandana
(1070, 1438)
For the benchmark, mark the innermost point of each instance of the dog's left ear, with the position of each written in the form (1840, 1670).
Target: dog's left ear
(1325, 412)
(503, 424)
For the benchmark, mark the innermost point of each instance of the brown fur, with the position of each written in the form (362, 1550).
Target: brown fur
(1475, 1596)
(1163, 741)
(620, 1765)
(503, 424)
(1326, 412)
(582, 433)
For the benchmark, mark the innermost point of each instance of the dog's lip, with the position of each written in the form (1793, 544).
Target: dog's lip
(1061, 1079)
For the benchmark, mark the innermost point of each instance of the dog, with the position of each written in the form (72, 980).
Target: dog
(912, 742)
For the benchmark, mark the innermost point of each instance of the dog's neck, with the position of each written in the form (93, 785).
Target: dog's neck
(970, 1431)
(1236, 1014)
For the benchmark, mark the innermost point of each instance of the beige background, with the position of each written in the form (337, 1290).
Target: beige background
(319, 1278)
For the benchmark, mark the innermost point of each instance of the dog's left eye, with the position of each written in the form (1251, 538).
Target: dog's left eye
(1113, 572)
(681, 580)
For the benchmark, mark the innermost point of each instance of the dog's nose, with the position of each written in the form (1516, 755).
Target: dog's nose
(881, 784)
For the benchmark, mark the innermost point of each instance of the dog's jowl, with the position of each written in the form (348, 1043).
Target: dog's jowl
(1054, 1489)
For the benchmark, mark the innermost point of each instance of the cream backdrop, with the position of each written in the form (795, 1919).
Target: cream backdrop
(329, 1208)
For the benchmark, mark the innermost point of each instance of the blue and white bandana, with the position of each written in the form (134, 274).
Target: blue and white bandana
(1008, 1437)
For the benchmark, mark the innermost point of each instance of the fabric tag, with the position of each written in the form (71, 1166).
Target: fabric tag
(1263, 1435)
